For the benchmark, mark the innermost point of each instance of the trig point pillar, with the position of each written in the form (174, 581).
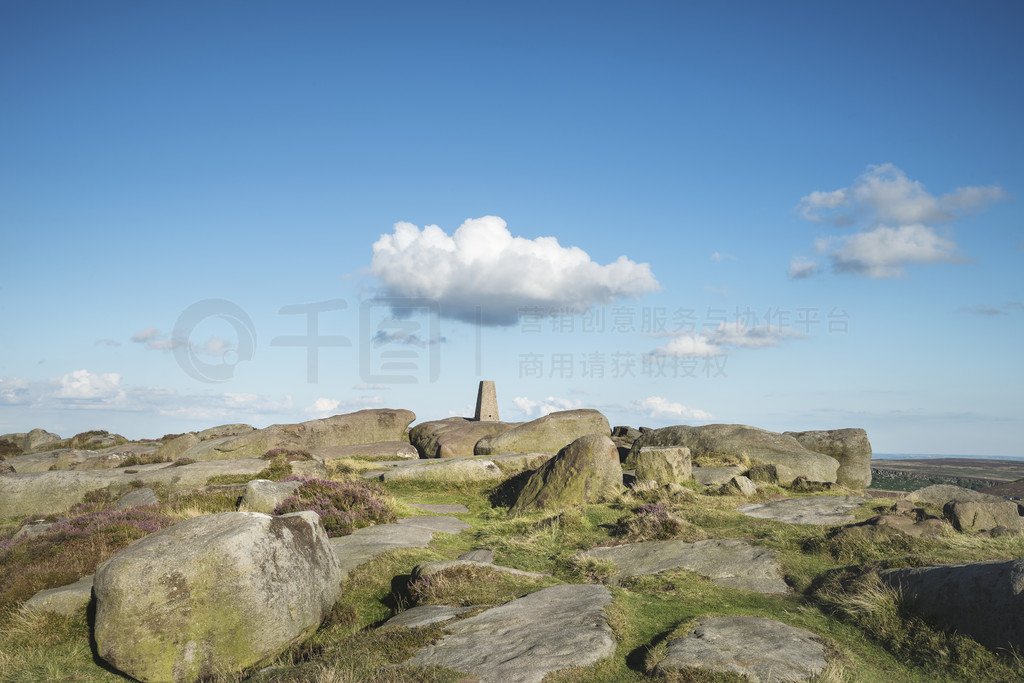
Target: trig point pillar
(486, 403)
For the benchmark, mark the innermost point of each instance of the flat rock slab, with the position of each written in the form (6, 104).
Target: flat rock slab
(441, 508)
(396, 450)
(715, 476)
(728, 562)
(528, 638)
(362, 545)
(63, 600)
(430, 568)
(760, 649)
(814, 510)
(423, 615)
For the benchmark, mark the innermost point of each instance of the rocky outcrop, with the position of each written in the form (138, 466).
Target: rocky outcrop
(392, 450)
(67, 600)
(549, 434)
(263, 496)
(824, 510)
(30, 442)
(136, 498)
(849, 446)
(983, 515)
(221, 431)
(728, 562)
(176, 447)
(213, 595)
(663, 464)
(524, 640)
(982, 600)
(362, 545)
(453, 438)
(940, 494)
(43, 493)
(715, 476)
(448, 471)
(742, 441)
(364, 426)
(585, 471)
(756, 648)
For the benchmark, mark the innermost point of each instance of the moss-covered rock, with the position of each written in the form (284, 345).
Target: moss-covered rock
(214, 595)
(585, 471)
(549, 434)
(663, 464)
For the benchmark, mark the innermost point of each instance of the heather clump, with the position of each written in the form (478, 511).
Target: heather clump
(70, 549)
(343, 506)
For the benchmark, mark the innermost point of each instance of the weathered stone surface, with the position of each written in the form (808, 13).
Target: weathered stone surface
(35, 493)
(7, 469)
(759, 649)
(430, 568)
(728, 562)
(849, 446)
(310, 469)
(64, 459)
(585, 471)
(454, 437)
(482, 555)
(364, 426)
(221, 431)
(145, 496)
(663, 464)
(928, 528)
(38, 439)
(217, 593)
(983, 516)
(33, 529)
(528, 638)
(486, 403)
(518, 462)
(739, 486)
(772, 474)
(813, 510)
(626, 432)
(263, 496)
(176, 447)
(548, 434)
(441, 508)
(743, 441)
(63, 600)
(423, 615)
(447, 470)
(395, 450)
(364, 544)
(715, 476)
(982, 600)
(940, 494)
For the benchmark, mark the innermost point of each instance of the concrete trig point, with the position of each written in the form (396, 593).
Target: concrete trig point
(486, 403)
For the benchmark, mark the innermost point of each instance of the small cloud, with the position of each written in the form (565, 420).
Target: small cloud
(146, 335)
(800, 268)
(107, 342)
(884, 252)
(540, 408)
(324, 405)
(719, 256)
(370, 387)
(981, 309)
(412, 339)
(14, 391)
(1014, 305)
(658, 407)
(483, 270)
(717, 342)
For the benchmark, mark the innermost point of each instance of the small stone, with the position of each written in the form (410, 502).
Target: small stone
(485, 556)
(136, 498)
(423, 615)
(739, 485)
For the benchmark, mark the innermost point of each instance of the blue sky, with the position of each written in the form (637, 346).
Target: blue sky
(789, 215)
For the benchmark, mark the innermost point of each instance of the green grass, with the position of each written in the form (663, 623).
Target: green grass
(869, 634)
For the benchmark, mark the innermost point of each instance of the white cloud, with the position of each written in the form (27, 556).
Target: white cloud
(895, 212)
(719, 256)
(14, 391)
(107, 342)
(884, 252)
(324, 405)
(146, 335)
(717, 342)
(657, 407)
(362, 386)
(483, 265)
(542, 407)
(800, 268)
(85, 385)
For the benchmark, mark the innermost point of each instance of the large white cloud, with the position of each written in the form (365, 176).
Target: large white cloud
(483, 266)
(893, 212)
(545, 406)
(82, 385)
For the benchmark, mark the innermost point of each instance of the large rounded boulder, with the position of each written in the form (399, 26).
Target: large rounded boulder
(548, 434)
(849, 446)
(214, 595)
(585, 471)
(454, 437)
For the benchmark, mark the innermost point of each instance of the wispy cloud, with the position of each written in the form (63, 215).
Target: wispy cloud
(718, 341)
(482, 268)
(896, 215)
(107, 342)
(657, 407)
(988, 310)
(538, 408)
